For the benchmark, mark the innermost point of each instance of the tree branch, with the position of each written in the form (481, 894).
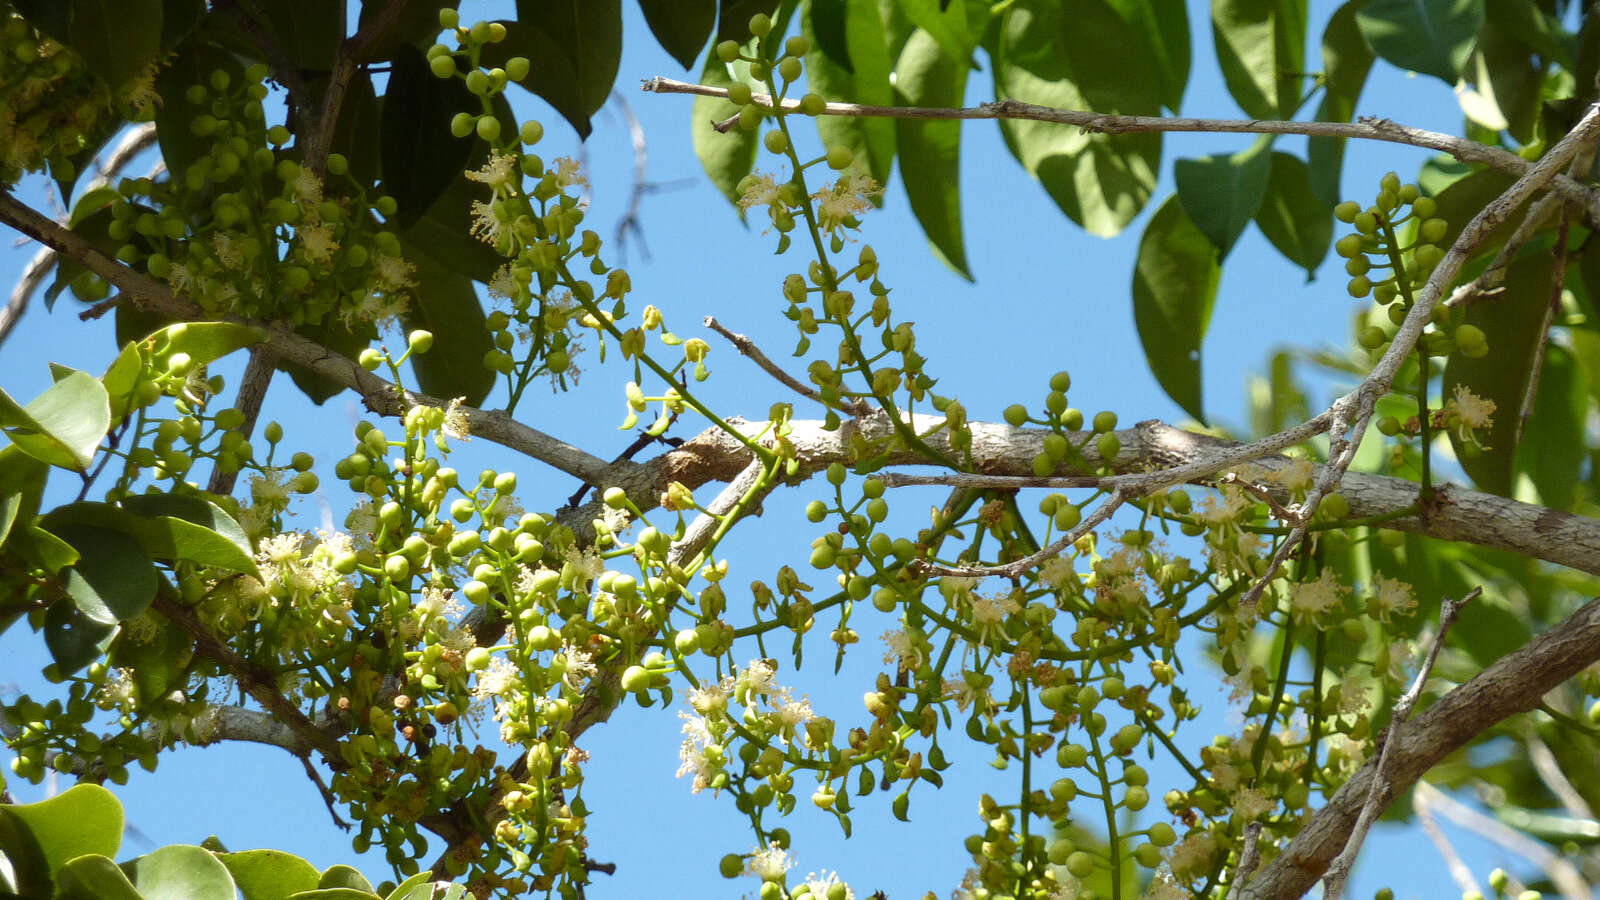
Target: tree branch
(1515, 683)
(1369, 128)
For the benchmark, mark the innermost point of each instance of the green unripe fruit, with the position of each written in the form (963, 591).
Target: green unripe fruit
(728, 51)
(1071, 756)
(789, 69)
(1359, 287)
(1162, 835)
(739, 93)
(1471, 342)
(420, 341)
(1016, 415)
(1055, 445)
(370, 359)
(776, 141)
(489, 128)
(635, 679)
(1348, 246)
(816, 511)
(397, 567)
(836, 474)
(1136, 798)
(1389, 426)
(517, 68)
(1366, 223)
(813, 105)
(1424, 207)
(442, 66)
(1433, 229)
(1061, 381)
(1372, 337)
(1108, 445)
(1105, 421)
(1347, 211)
(1066, 517)
(760, 24)
(461, 124)
(840, 157)
(1147, 855)
(732, 865)
(1064, 789)
(797, 46)
(1080, 864)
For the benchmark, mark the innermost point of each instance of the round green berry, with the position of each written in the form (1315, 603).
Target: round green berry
(776, 141)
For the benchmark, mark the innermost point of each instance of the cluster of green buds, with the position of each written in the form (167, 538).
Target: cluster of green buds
(1397, 237)
(241, 228)
(51, 104)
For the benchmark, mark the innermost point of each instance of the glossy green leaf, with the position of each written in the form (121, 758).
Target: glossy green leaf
(1553, 449)
(1044, 55)
(824, 22)
(181, 872)
(94, 877)
(930, 150)
(1346, 60)
(62, 426)
(1261, 49)
(84, 819)
(1503, 85)
(270, 874)
(94, 228)
(444, 234)
(681, 27)
(358, 134)
(1292, 216)
(446, 304)
(727, 158)
(344, 877)
(589, 34)
(119, 40)
(949, 27)
(1464, 198)
(178, 20)
(205, 342)
(1163, 33)
(194, 529)
(553, 76)
(867, 44)
(309, 36)
(417, 887)
(417, 149)
(22, 483)
(1528, 23)
(1221, 194)
(1174, 289)
(334, 893)
(42, 550)
(1512, 323)
(1433, 37)
(121, 379)
(91, 203)
(733, 17)
(114, 578)
(196, 59)
(417, 25)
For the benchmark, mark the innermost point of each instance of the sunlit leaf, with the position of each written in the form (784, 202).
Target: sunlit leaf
(726, 157)
(181, 872)
(1174, 289)
(1433, 37)
(1221, 194)
(62, 426)
(868, 45)
(1292, 216)
(1261, 50)
(269, 874)
(930, 149)
(1346, 60)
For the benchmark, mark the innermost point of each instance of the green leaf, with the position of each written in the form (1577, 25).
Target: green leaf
(120, 380)
(733, 18)
(1512, 323)
(444, 235)
(1078, 61)
(727, 158)
(417, 887)
(358, 135)
(194, 529)
(1525, 21)
(114, 579)
(43, 550)
(1502, 85)
(94, 228)
(1163, 32)
(1345, 63)
(178, 20)
(205, 342)
(119, 40)
(62, 426)
(824, 22)
(930, 149)
(94, 877)
(681, 27)
(91, 203)
(588, 33)
(1221, 194)
(1552, 452)
(947, 24)
(181, 872)
(337, 893)
(1433, 37)
(867, 46)
(1293, 217)
(84, 819)
(446, 304)
(269, 874)
(552, 74)
(335, 334)
(1464, 198)
(1261, 49)
(305, 31)
(418, 151)
(1174, 289)
(416, 25)
(344, 877)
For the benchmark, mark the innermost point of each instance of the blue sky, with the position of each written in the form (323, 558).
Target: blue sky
(1047, 296)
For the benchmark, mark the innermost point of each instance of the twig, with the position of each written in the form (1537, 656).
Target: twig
(1373, 129)
(1561, 873)
(1549, 769)
(1460, 872)
(319, 137)
(328, 799)
(1119, 495)
(974, 481)
(1249, 858)
(1260, 492)
(748, 348)
(1333, 881)
(252, 392)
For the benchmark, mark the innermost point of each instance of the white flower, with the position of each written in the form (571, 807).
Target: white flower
(316, 242)
(455, 421)
(850, 196)
(770, 864)
(1252, 803)
(759, 677)
(1313, 598)
(569, 172)
(1393, 597)
(499, 173)
(700, 753)
(819, 884)
(392, 272)
(791, 712)
(711, 698)
(903, 650)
